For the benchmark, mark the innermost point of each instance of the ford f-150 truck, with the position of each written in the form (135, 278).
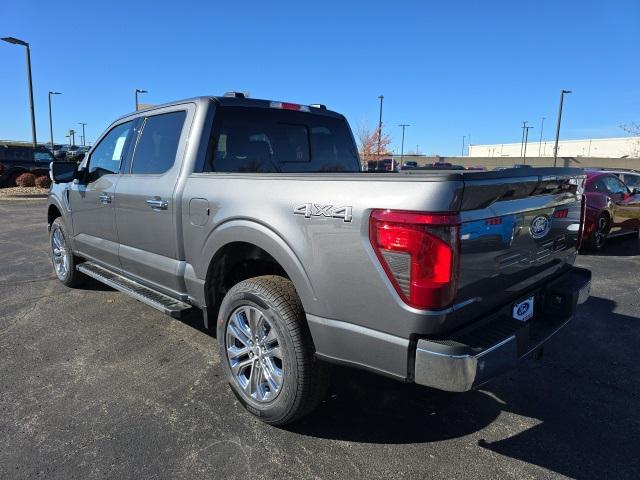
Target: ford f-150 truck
(257, 213)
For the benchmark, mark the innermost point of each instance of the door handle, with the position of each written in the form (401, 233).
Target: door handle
(158, 204)
(105, 198)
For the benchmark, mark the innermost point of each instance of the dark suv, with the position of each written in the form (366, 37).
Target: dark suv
(18, 158)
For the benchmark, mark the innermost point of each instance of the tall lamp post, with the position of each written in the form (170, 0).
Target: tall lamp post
(526, 140)
(17, 41)
(540, 144)
(555, 148)
(51, 118)
(463, 139)
(84, 140)
(403, 125)
(138, 90)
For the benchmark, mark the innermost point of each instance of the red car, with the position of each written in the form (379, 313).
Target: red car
(612, 209)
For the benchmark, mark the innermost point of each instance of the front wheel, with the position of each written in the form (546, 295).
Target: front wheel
(64, 262)
(267, 351)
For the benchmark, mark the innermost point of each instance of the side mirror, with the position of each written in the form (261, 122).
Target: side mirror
(63, 172)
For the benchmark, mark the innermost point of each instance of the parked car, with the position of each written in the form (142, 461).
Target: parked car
(384, 165)
(60, 152)
(257, 213)
(18, 158)
(612, 209)
(410, 164)
(631, 178)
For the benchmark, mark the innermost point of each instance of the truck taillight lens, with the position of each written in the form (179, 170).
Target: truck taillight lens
(419, 253)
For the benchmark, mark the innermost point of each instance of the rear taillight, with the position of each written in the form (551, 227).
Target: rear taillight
(562, 213)
(419, 253)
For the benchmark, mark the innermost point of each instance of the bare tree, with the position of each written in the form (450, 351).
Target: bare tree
(633, 128)
(368, 140)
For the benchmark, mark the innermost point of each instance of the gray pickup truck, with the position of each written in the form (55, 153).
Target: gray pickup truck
(256, 212)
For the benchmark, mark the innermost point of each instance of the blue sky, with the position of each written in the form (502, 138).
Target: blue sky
(447, 68)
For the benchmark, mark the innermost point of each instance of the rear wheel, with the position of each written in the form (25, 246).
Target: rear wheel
(267, 352)
(599, 236)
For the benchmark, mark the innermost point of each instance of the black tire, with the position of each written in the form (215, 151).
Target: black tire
(304, 379)
(598, 238)
(70, 277)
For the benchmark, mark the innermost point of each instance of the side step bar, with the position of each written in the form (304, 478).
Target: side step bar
(147, 295)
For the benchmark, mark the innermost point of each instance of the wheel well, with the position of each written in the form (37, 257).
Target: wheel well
(52, 214)
(234, 263)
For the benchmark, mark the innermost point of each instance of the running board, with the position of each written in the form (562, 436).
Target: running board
(147, 295)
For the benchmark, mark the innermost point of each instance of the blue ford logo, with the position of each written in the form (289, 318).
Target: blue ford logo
(522, 309)
(540, 226)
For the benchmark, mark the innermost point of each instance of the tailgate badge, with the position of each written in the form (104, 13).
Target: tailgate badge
(540, 226)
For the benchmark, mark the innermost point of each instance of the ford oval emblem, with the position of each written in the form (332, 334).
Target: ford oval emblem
(523, 309)
(540, 226)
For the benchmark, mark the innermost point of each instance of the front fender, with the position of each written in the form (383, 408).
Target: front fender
(268, 240)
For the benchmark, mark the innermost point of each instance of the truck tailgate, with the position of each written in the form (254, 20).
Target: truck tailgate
(515, 233)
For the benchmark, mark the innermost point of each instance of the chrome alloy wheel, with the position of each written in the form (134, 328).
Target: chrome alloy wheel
(59, 253)
(254, 354)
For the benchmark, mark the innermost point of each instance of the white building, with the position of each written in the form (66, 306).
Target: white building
(621, 147)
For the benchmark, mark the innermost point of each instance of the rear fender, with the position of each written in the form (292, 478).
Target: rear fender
(263, 237)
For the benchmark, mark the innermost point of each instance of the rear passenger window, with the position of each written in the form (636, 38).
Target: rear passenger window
(158, 144)
(256, 140)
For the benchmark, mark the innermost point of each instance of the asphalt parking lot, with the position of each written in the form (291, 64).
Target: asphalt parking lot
(94, 384)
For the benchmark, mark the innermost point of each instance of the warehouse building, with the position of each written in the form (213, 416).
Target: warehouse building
(622, 147)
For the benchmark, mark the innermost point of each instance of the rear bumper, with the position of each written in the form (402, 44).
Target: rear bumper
(472, 356)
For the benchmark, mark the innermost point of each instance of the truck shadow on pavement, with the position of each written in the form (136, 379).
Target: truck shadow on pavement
(580, 418)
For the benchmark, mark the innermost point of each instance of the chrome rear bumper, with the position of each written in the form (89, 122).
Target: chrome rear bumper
(462, 362)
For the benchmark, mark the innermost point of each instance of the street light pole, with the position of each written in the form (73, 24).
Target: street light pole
(403, 125)
(526, 140)
(555, 148)
(50, 118)
(84, 143)
(17, 41)
(462, 151)
(524, 126)
(137, 92)
(540, 144)
(381, 97)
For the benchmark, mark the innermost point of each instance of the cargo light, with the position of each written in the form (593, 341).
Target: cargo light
(493, 221)
(419, 252)
(563, 213)
(290, 106)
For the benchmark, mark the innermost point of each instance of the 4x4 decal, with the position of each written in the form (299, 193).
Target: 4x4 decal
(315, 210)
